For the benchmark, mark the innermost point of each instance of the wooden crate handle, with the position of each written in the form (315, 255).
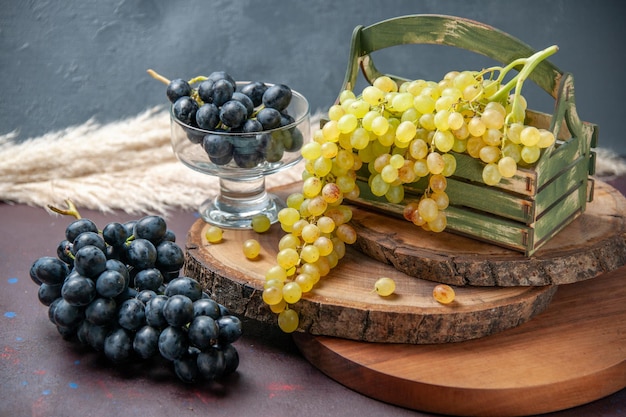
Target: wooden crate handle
(441, 30)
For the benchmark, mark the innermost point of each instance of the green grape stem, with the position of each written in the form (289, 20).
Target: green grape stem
(70, 211)
(529, 64)
(158, 76)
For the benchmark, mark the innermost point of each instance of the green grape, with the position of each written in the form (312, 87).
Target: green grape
(360, 138)
(424, 104)
(491, 174)
(381, 162)
(331, 193)
(289, 215)
(427, 121)
(513, 132)
(529, 136)
(441, 120)
(369, 117)
(395, 194)
(385, 286)
(261, 223)
(317, 205)
(474, 145)
(476, 126)
(298, 226)
(507, 167)
(287, 258)
(292, 292)
(389, 174)
(449, 164)
(460, 146)
(444, 140)
(251, 248)
(442, 200)
(373, 95)
(402, 102)
(439, 224)
(418, 149)
(335, 112)
(214, 234)
(437, 183)
(435, 163)
(313, 269)
(324, 246)
(380, 125)
(410, 115)
(311, 187)
(347, 123)
(444, 102)
(305, 282)
(378, 186)
(330, 131)
(344, 159)
(346, 233)
(339, 247)
(329, 150)
(385, 84)
(489, 154)
(405, 131)
(326, 224)
(310, 253)
(310, 232)
(455, 120)
(272, 295)
(294, 200)
(546, 138)
(358, 108)
(289, 241)
(492, 118)
(288, 320)
(311, 151)
(420, 168)
(276, 273)
(345, 183)
(530, 154)
(428, 209)
(492, 137)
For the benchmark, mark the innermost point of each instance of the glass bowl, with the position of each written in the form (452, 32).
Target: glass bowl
(241, 161)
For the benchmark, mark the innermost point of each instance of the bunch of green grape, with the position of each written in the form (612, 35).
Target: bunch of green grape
(400, 133)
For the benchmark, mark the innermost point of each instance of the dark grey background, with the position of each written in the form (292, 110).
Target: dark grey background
(63, 62)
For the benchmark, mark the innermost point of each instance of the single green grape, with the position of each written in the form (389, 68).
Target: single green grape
(251, 248)
(214, 234)
(385, 286)
(288, 320)
(261, 223)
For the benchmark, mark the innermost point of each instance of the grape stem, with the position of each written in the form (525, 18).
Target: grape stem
(529, 64)
(158, 76)
(70, 211)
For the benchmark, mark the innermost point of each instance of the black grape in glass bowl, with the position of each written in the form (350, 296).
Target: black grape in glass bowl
(241, 161)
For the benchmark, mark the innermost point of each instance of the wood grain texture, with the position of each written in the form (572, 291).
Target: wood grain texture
(592, 244)
(571, 354)
(343, 303)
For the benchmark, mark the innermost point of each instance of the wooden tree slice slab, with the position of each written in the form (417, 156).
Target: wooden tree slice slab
(571, 354)
(343, 304)
(592, 244)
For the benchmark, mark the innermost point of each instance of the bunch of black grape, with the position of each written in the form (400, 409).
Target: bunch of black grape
(119, 291)
(256, 110)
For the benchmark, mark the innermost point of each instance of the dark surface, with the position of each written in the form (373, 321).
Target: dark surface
(65, 62)
(43, 375)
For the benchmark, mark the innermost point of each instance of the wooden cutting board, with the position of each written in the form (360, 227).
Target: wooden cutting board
(343, 303)
(592, 244)
(571, 354)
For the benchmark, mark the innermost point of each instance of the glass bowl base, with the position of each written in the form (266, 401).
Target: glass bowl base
(233, 214)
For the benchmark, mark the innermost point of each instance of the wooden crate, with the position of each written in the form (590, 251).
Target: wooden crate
(521, 213)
